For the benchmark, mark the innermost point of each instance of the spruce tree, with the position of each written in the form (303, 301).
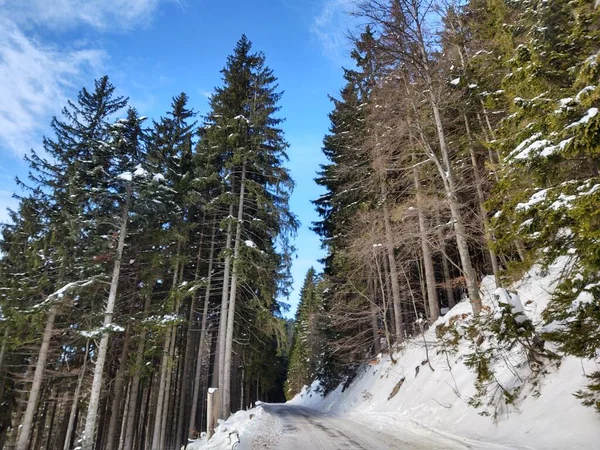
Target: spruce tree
(61, 183)
(549, 145)
(305, 350)
(242, 127)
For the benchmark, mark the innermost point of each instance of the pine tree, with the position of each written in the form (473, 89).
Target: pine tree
(243, 127)
(307, 341)
(60, 183)
(549, 144)
(126, 167)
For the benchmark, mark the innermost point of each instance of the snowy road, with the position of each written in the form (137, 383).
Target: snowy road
(309, 429)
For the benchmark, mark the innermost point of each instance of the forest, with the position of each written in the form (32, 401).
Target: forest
(144, 265)
(149, 260)
(465, 143)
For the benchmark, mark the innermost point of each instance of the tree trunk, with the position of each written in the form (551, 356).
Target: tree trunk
(445, 265)
(226, 388)
(40, 421)
(220, 353)
(198, 372)
(445, 170)
(451, 194)
(167, 400)
(161, 392)
(2, 356)
(434, 306)
(165, 374)
(172, 354)
(385, 304)
(399, 326)
(375, 326)
(73, 413)
(38, 376)
(3, 349)
(123, 422)
(51, 423)
(189, 347)
(482, 209)
(115, 410)
(135, 384)
(90, 422)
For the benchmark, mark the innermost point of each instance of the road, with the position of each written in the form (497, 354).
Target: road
(308, 429)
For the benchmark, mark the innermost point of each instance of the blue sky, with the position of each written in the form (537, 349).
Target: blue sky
(155, 49)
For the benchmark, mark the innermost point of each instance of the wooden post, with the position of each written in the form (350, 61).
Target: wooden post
(212, 411)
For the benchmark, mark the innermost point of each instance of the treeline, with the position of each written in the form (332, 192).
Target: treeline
(465, 142)
(143, 265)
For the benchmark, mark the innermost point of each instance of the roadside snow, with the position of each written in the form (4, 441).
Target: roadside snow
(437, 400)
(250, 429)
(433, 402)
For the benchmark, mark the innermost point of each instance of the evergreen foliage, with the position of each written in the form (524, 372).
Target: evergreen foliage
(139, 216)
(307, 343)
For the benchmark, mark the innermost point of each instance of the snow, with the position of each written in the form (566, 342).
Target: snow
(563, 201)
(533, 147)
(584, 298)
(436, 401)
(455, 81)
(60, 293)
(432, 403)
(536, 198)
(98, 332)
(140, 172)
(512, 300)
(591, 113)
(125, 176)
(524, 144)
(167, 319)
(565, 104)
(241, 117)
(158, 177)
(584, 91)
(250, 244)
(525, 223)
(554, 148)
(254, 428)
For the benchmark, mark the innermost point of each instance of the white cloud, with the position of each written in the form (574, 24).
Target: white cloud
(103, 14)
(330, 26)
(35, 79)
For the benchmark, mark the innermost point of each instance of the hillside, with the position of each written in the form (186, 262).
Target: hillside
(428, 399)
(436, 397)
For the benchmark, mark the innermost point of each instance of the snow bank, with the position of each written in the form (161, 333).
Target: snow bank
(247, 429)
(410, 394)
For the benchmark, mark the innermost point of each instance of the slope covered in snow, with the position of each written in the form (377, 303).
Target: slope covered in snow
(434, 393)
(427, 391)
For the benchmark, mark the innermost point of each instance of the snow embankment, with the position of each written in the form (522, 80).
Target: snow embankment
(244, 430)
(435, 394)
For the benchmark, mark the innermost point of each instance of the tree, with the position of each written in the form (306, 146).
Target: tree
(244, 128)
(127, 154)
(60, 184)
(307, 341)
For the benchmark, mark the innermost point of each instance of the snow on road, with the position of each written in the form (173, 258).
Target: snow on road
(296, 427)
(309, 429)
